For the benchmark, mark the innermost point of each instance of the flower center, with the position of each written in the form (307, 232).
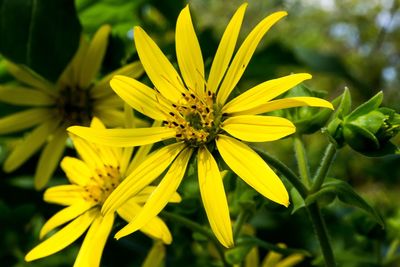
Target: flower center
(195, 119)
(101, 184)
(74, 105)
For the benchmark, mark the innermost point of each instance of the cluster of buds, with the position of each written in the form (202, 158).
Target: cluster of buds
(367, 129)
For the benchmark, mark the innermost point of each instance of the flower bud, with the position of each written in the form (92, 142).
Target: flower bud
(367, 129)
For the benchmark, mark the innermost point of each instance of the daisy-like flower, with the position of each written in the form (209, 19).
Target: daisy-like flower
(93, 178)
(51, 108)
(199, 118)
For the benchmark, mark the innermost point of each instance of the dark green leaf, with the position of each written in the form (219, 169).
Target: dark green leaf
(41, 34)
(346, 194)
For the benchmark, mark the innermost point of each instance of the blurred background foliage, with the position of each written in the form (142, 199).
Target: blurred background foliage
(349, 43)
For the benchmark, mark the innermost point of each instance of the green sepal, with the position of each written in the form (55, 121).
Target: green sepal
(373, 103)
(345, 193)
(344, 106)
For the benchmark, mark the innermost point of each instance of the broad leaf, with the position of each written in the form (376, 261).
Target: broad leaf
(41, 34)
(346, 194)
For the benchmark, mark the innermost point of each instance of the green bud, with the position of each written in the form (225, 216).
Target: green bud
(367, 129)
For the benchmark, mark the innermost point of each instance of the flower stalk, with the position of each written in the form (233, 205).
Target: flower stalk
(199, 229)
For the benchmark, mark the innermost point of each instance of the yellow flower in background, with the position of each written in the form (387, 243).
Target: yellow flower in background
(274, 259)
(199, 116)
(51, 108)
(156, 256)
(93, 178)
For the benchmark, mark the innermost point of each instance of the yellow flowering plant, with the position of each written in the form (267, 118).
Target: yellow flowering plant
(51, 108)
(234, 133)
(93, 178)
(200, 119)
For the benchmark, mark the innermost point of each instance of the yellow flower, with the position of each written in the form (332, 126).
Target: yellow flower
(92, 180)
(156, 256)
(198, 117)
(73, 100)
(274, 259)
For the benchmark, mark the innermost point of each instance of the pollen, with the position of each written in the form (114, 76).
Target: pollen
(102, 184)
(193, 118)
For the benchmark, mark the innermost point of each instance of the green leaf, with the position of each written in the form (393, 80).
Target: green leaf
(120, 14)
(296, 199)
(371, 104)
(346, 194)
(41, 34)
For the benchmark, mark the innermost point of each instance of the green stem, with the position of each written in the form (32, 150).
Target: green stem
(285, 170)
(240, 220)
(326, 162)
(322, 234)
(199, 229)
(302, 161)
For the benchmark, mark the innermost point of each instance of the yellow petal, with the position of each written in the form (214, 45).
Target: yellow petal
(138, 96)
(24, 119)
(95, 239)
(62, 238)
(50, 157)
(214, 198)
(64, 195)
(102, 88)
(188, 53)
(91, 62)
(156, 256)
(144, 194)
(272, 259)
(141, 153)
(244, 54)
(24, 96)
(264, 92)
(76, 170)
(289, 102)
(252, 258)
(253, 128)
(225, 49)
(65, 215)
(110, 117)
(158, 68)
(155, 228)
(70, 75)
(143, 175)
(86, 151)
(249, 166)
(160, 196)
(291, 260)
(28, 77)
(123, 137)
(111, 102)
(29, 145)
